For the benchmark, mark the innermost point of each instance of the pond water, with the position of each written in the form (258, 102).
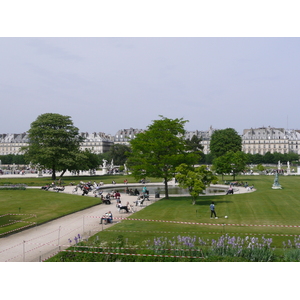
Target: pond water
(173, 190)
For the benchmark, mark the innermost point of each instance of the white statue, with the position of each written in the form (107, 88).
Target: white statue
(279, 165)
(112, 163)
(104, 162)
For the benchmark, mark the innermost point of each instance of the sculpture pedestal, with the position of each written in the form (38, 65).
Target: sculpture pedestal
(276, 187)
(104, 171)
(40, 174)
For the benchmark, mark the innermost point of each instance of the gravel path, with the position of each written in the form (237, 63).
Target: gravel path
(41, 242)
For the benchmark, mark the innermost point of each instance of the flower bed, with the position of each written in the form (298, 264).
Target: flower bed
(13, 187)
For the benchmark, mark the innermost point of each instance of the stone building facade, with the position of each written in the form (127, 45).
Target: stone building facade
(270, 139)
(123, 136)
(258, 140)
(204, 135)
(97, 142)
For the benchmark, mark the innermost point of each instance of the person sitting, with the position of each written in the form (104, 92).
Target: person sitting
(107, 218)
(230, 191)
(130, 207)
(250, 188)
(136, 192)
(120, 206)
(140, 200)
(106, 200)
(110, 217)
(85, 190)
(104, 218)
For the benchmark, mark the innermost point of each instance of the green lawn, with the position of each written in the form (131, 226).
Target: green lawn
(263, 207)
(44, 205)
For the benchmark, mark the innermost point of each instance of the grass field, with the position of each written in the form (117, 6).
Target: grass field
(265, 212)
(23, 208)
(37, 206)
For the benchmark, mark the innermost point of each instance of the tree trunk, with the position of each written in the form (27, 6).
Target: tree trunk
(166, 189)
(53, 173)
(62, 174)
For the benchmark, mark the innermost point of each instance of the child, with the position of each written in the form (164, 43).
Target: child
(212, 210)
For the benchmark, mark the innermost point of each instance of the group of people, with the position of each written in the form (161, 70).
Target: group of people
(107, 198)
(107, 217)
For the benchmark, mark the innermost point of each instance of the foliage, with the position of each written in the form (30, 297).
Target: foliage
(231, 162)
(272, 158)
(10, 159)
(159, 150)
(194, 145)
(260, 167)
(184, 248)
(119, 153)
(83, 161)
(194, 179)
(54, 142)
(225, 140)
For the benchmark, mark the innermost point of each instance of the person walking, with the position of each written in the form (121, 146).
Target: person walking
(212, 210)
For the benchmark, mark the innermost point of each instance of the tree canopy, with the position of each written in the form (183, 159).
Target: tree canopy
(194, 145)
(225, 140)
(231, 162)
(194, 179)
(157, 151)
(54, 142)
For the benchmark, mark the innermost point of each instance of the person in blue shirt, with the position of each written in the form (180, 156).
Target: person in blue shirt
(212, 210)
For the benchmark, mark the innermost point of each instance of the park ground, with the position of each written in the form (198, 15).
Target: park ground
(268, 212)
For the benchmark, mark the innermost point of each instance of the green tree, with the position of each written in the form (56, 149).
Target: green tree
(225, 140)
(194, 179)
(260, 167)
(119, 153)
(194, 145)
(221, 165)
(231, 162)
(84, 161)
(54, 142)
(268, 158)
(157, 151)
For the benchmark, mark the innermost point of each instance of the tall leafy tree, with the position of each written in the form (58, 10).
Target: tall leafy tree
(157, 151)
(119, 153)
(225, 140)
(194, 145)
(54, 142)
(230, 162)
(194, 179)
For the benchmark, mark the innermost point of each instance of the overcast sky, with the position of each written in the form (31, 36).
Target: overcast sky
(107, 84)
(216, 64)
